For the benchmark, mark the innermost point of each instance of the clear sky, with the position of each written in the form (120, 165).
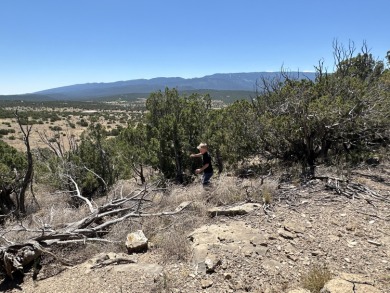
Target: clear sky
(51, 43)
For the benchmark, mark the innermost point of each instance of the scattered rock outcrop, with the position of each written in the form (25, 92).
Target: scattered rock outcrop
(231, 211)
(350, 283)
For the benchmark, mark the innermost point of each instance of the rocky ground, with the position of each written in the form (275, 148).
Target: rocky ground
(327, 224)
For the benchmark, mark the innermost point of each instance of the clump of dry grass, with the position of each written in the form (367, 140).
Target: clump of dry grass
(168, 234)
(227, 190)
(47, 209)
(268, 191)
(163, 283)
(267, 196)
(316, 278)
(174, 244)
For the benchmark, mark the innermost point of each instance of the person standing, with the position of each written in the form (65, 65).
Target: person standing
(207, 167)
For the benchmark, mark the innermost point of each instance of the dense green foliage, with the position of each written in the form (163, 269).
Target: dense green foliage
(13, 165)
(177, 123)
(345, 113)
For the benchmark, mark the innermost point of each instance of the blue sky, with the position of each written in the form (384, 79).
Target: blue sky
(47, 43)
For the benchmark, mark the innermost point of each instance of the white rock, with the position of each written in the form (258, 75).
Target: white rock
(136, 242)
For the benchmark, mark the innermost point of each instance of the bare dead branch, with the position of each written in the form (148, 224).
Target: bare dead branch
(54, 145)
(29, 172)
(83, 240)
(118, 260)
(94, 173)
(88, 229)
(78, 193)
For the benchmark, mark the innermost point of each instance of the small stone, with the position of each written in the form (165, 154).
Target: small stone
(224, 265)
(359, 234)
(211, 263)
(286, 234)
(347, 260)
(374, 242)
(315, 253)
(227, 276)
(206, 283)
(258, 240)
(260, 250)
(293, 227)
(272, 237)
(247, 252)
(292, 257)
(334, 238)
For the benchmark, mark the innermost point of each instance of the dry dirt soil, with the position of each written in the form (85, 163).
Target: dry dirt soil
(258, 248)
(37, 129)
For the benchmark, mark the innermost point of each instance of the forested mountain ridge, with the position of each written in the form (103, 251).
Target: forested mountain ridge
(226, 81)
(220, 81)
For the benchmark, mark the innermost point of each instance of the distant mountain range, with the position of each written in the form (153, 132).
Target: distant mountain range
(216, 82)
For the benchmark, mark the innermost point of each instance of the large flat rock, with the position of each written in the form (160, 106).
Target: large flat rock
(232, 211)
(213, 241)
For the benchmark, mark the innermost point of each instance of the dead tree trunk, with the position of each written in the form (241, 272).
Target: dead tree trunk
(29, 172)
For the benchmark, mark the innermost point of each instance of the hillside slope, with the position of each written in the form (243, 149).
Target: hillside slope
(265, 249)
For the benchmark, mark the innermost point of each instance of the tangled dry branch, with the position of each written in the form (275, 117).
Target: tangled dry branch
(17, 256)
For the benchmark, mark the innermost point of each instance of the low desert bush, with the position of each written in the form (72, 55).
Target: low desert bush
(315, 279)
(163, 283)
(174, 243)
(229, 190)
(267, 196)
(268, 191)
(226, 190)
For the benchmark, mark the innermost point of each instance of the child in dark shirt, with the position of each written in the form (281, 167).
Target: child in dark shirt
(207, 167)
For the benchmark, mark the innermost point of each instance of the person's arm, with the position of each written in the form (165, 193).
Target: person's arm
(196, 155)
(201, 169)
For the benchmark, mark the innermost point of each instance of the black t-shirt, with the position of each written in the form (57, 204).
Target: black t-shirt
(207, 159)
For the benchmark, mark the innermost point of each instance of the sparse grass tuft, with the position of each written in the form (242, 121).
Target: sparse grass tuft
(267, 196)
(226, 190)
(163, 283)
(316, 278)
(174, 243)
(268, 190)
